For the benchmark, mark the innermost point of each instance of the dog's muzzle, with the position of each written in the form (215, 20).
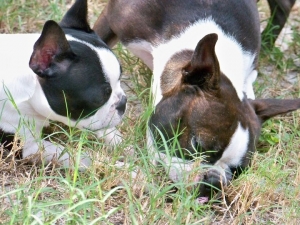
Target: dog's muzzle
(121, 106)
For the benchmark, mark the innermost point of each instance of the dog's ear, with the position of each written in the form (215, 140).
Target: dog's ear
(51, 52)
(203, 69)
(76, 17)
(268, 108)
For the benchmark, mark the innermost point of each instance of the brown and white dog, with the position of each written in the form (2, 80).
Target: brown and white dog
(204, 57)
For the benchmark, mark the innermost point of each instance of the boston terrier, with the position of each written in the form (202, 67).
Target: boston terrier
(66, 74)
(204, 58)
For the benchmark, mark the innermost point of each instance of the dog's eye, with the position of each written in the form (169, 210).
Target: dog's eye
(107, 91)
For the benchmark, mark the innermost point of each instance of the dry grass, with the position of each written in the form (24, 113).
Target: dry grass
(268, 193)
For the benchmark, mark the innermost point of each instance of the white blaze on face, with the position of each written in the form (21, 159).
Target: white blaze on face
(235, 151)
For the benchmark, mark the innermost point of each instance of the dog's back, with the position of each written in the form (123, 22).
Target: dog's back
(156, 30)
(169, 18)
(15, 48)
(17, 79)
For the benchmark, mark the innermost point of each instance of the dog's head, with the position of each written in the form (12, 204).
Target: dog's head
(78, 74)
(202, 109)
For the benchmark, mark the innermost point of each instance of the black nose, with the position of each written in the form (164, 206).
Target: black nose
(121, 107)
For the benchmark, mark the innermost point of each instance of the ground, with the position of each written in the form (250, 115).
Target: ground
(268, 193)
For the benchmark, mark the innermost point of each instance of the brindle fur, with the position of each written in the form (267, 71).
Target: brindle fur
(198, 102)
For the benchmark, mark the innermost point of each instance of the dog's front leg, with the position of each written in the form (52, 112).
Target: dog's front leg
(111, 136)
(41, 150)
(177, 169)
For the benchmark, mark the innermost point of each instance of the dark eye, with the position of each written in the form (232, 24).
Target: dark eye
(107, 91)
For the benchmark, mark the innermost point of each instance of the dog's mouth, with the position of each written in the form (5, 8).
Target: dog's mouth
(202, 200)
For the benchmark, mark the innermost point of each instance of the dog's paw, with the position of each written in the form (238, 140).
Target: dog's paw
(111, 136)
(54, 154)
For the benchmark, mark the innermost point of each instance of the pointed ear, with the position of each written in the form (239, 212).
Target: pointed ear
(52, 47)
(203, 69)
(268, 108)
(76, 17)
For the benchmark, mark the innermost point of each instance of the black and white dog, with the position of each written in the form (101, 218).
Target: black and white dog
(66, 74)
(204, 55)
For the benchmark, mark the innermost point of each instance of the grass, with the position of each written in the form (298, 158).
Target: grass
(268, 193)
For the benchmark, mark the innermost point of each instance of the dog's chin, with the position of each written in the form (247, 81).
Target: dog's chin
(102, 125)
(101, 122)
